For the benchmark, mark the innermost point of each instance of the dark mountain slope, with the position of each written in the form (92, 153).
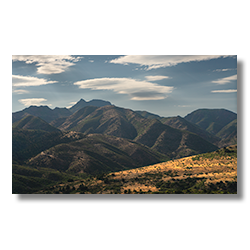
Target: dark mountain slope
(212, 120)
(125, 123)
(33, 122)
(109, 120)
(148, 115)
(96, 154)
(228, 134)
(82, 103)
(28, 143)
(72, 121)
(182, 124)
(28, 180)
(173, 142)
(229, 130)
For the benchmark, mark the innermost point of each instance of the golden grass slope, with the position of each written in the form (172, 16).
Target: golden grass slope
(214, 172)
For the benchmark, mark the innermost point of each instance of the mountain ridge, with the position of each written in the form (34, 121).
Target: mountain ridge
(49, 115)
(126, 123)
(206, 123)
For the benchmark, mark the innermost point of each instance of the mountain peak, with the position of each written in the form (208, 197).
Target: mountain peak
(82, 103)
(81, 100)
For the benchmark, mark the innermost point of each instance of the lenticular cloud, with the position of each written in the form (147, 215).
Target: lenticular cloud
(136, 89)
(154, 62)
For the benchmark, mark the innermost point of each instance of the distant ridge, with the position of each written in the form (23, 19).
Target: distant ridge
(49, 115)
(44, 112)
(82, 103)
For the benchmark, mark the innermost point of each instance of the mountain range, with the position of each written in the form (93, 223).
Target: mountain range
(48, 114)
(96, 137)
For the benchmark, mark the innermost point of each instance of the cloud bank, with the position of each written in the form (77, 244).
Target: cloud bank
(160, 61)
(33, 101)
(137, 90)
(49, 64)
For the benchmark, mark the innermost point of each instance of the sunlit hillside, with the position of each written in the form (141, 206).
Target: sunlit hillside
(214, 172)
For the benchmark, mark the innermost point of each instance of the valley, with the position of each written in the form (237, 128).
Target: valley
(96, 147)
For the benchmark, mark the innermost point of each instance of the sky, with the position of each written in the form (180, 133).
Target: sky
(166, 85)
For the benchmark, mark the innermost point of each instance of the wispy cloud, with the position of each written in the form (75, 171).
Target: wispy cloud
(224, 91)
(183, 106)
(222, 70)
(137, 90)
(20, 91)
(159, 61)
(27, 81)
(48, 64)
(226, 79)
(156, 78)
(33, 101)
(91, 61)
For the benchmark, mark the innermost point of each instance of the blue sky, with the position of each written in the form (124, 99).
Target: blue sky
(164, 85)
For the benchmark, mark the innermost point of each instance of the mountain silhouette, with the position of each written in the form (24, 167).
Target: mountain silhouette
(49, 115)
(44, 112)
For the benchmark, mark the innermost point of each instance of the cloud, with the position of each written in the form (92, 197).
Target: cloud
(159, 61)
(20, 91)
(137, 90)
(226, 79)
(27, 81)
(49, 64)
(33, 101)
(183, 106)
(222, 70)
(224, 91)
(71, 104)
(156, 78)
(91, 61)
